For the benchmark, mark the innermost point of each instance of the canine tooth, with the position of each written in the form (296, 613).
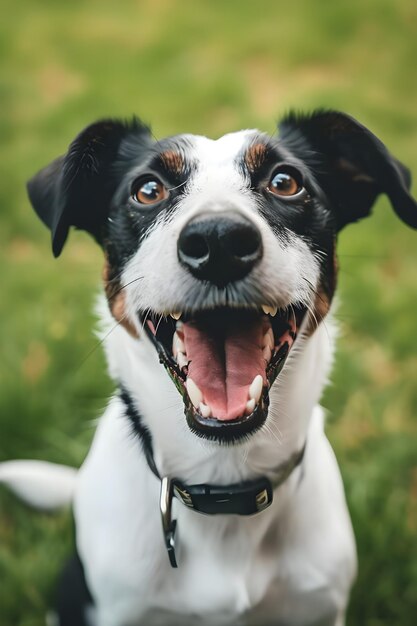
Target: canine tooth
(175, 315)
(179, 325)
(255, 389)
(194, 392)
(177, 344)
(182, 360)
(205, 410)
(250, 406)
(271, 310)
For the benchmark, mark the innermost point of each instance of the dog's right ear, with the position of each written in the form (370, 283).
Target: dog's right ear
(76, 189)
(351, 164)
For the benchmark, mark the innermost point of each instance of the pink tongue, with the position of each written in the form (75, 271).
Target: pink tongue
(223, 361)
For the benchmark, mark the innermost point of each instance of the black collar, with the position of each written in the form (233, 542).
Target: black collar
(243, 498)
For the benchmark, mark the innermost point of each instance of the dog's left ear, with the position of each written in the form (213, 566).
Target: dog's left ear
(76, 189)
(353, 167)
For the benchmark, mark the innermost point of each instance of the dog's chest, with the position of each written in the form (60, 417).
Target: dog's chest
(228, 574)
(226, 565)
(234, 573)
(236, 583)
(231, 570)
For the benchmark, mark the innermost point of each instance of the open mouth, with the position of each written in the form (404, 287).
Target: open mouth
(223, 362)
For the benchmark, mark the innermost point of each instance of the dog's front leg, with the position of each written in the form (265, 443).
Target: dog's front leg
(119, 537)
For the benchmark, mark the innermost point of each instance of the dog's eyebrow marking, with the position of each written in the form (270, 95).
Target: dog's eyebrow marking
(172, 161)
(255, 156)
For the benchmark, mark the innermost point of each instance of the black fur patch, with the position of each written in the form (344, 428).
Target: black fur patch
(73, 596)
(76, 189)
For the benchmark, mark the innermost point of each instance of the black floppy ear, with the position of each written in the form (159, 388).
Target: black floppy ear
(354, 165)
(76, 189)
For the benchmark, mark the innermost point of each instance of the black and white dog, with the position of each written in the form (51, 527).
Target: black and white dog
(220, 266)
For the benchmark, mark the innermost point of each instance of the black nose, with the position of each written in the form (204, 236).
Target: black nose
(220, 248)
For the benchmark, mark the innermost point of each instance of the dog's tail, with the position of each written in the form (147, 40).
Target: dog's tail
(45, 486)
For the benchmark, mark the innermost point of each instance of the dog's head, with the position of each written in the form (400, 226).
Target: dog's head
(222, 252)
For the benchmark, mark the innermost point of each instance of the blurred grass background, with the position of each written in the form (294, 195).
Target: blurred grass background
(207, 67)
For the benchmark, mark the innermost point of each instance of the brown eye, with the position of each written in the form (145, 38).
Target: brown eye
(285, 183)
(150, 192)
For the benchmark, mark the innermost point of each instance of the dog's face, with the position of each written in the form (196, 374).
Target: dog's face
(222, 252)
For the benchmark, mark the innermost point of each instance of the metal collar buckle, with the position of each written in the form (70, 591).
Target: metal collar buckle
(169, 526)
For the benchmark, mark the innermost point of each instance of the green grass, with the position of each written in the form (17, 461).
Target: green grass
(206, 67)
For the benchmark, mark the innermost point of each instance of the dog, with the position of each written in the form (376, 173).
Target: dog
(211, 492)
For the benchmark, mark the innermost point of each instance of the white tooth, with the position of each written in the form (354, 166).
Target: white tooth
(182, 360)
(250, 406)
(269, 338)
(205, 410)
(267, 353)
(271, 310)
(194, 392)
(179, 325)
(175, 315)
(177, 344)
(255, 389)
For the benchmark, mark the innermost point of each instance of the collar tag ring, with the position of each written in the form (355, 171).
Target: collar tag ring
(169, 525)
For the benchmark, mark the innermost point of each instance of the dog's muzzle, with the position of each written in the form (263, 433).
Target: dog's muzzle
(223, 358)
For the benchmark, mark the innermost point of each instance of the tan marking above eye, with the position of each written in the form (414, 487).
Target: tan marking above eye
(172, 161)
(150, 192)
(283, 183)
(255, 156)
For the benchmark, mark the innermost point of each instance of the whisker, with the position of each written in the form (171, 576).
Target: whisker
(178, 186)
(159, 322)
(268, 429)
(313, 315)
(113, 295)
(100, 343)
(274, 426)
(145, 317)
(314, 290)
